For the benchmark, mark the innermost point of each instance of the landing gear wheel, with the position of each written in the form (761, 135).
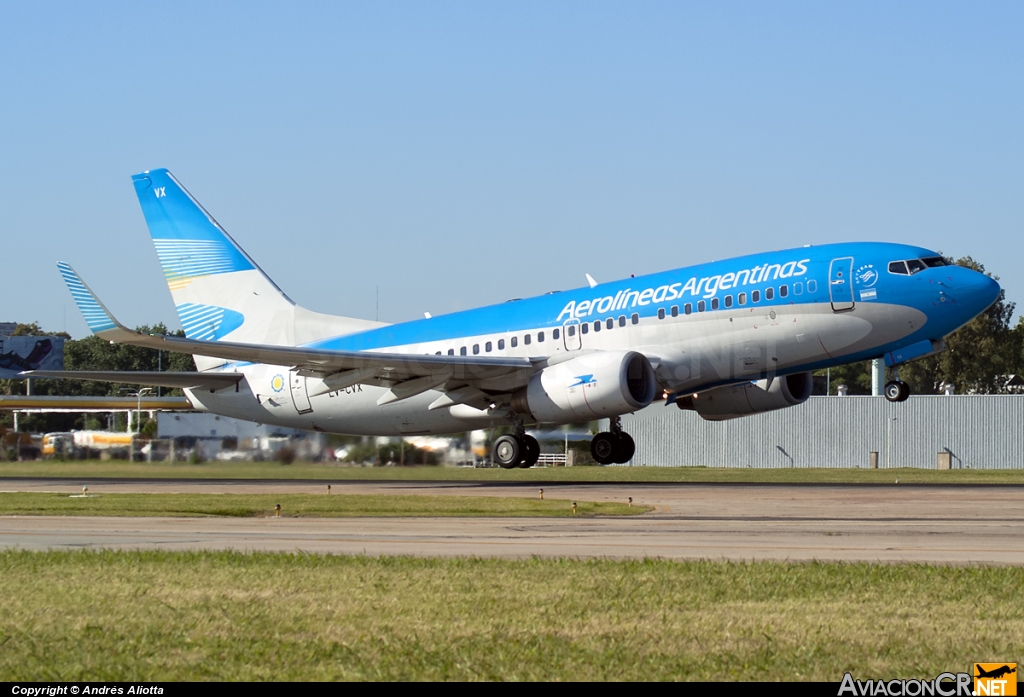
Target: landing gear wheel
(531, 451)
(603, 447)
(897, 391)
(624, 448)
(507, 452)
(893, 391)
(904, 392)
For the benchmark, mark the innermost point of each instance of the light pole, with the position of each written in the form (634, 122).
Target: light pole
(138, 417)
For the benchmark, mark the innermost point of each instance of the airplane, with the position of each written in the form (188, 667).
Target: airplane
(994, 673)
(725, 339)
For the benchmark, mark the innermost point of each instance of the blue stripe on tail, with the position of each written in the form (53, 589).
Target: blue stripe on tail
(95, 316)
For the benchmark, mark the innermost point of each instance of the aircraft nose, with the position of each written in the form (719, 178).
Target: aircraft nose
(980, 290)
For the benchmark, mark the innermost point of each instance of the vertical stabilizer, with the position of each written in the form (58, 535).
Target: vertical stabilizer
(219, 291)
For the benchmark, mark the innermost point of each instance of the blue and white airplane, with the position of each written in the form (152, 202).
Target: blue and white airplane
(725, 339)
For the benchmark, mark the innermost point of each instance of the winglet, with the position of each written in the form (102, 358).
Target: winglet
(590, 280)
(96, 315)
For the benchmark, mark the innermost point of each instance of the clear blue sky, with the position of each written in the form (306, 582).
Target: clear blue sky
(457, 154)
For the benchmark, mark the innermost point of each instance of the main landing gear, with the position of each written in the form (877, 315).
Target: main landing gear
(896, 390)
(519, 450)
(614, 446)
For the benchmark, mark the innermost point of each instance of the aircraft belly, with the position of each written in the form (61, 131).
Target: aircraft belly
(751, 342)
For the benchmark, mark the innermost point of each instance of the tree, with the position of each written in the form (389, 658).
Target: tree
(93, 353)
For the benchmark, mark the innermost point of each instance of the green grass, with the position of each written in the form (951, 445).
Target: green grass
(105, 616)
(300, 505)
(325, 472)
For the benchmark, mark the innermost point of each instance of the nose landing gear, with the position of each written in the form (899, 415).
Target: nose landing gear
(896, 390)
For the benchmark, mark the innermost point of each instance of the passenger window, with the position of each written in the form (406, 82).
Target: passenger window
(622, 320)
(661, 313)
(687, 309)
(635, 318)
(451, 352)
(438, 353)
(701, 306)
(476, 349)
(742, 298)
(554, 335)
(812, 286)
(526, 339)
(769, 293)
(728, 301)
(572, 330)
(798, 288)
(755, 297)
(540, 337)
(597, 325)
(783, 291)
(897, 267)
(515, 341)
(675, 310)
(487, 347)
(501, 344)
(584, 328)
(610, 323)
(462, 351)
(714, 303)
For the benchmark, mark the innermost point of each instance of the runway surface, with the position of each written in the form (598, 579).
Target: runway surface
(894, 523)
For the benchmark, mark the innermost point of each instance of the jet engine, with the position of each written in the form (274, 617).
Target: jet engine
(594, 385)
(733, 401)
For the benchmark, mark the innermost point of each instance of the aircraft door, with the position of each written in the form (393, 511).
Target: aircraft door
(300, 397)
(840, 284)
(571, 335)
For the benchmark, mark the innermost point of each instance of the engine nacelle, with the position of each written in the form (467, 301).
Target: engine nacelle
(751, 398)
(591, 386)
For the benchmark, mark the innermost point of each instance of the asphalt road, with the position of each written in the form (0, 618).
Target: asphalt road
(893, 523)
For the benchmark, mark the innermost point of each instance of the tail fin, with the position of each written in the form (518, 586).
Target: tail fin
(218, 289)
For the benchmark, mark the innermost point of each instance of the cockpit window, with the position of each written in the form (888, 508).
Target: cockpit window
(915, 265)
(912, 266)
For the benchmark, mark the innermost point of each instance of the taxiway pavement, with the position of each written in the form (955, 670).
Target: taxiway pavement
(888, 523)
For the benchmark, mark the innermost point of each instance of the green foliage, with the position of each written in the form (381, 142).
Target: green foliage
(401, 453)
(149, 427)
(93, 353)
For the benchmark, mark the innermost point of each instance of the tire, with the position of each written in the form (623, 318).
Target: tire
(624, 448)
(507, 452)
(531, 452)
(904, 392)
(893, 391)
(602, 447)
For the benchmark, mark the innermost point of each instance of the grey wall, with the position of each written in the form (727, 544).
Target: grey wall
(983, 432)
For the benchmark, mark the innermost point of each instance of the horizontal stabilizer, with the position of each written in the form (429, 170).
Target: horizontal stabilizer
(390, 367)
(199, 381)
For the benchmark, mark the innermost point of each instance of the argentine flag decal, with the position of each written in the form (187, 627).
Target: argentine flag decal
(208, 322)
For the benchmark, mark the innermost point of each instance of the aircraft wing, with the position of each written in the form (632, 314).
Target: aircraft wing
(370, 367)
(208, 381)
